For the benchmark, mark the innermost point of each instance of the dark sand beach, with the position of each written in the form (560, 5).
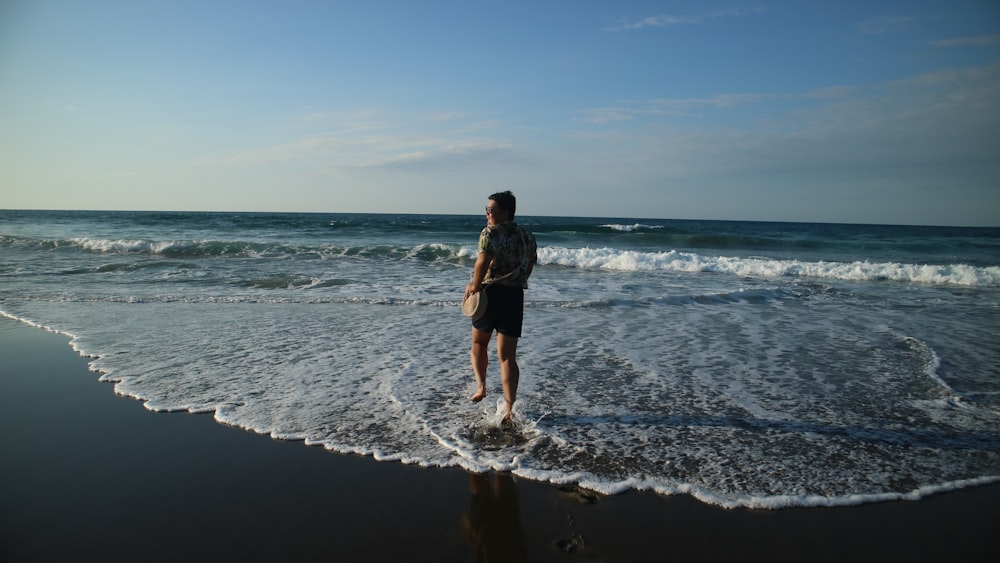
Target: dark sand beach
(88, 475)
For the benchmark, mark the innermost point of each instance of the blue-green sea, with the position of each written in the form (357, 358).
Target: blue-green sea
(747, 364)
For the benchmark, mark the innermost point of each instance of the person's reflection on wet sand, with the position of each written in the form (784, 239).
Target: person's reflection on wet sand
(493, 523)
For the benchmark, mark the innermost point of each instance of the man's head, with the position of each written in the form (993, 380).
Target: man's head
(505, 201)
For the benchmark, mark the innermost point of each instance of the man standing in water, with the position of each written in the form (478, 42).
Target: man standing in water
(507, 255)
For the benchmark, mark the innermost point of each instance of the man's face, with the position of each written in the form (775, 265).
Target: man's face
(495, 215)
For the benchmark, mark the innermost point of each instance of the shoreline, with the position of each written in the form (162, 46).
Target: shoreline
(88, 474)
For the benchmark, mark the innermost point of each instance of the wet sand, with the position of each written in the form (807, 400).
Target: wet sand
(88, 475)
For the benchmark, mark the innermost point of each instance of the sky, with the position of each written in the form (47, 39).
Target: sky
(872, 111)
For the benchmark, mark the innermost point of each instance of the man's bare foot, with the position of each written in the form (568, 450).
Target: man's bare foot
(508, 414)
(480, 394)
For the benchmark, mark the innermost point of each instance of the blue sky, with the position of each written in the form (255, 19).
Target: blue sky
(856, 111)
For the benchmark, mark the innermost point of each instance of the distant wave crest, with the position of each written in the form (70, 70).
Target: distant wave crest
(249, 249)
(631, 228)
(673, 261)
(615, 259)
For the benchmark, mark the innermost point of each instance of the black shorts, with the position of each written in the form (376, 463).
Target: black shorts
(504, 310)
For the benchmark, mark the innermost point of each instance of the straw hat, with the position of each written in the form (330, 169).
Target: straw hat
(474, 305)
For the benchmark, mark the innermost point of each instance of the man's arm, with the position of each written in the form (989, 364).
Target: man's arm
(478, 274)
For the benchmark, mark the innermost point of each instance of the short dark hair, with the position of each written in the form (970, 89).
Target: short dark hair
(506, 201)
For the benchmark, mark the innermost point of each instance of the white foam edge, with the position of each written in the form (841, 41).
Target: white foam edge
(581, 479)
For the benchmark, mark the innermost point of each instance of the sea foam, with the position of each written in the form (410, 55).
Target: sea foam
(674, 261)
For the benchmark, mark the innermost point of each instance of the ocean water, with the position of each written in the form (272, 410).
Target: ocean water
(747, 364)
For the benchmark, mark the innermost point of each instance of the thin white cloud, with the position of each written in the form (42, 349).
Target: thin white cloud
(362, 120)
(977, 41)
(446, 116)
(437, 153)
(887, 24)
(667, 20)
(277, 153)
(684, 107)
(666, 108)
(359, 147)
(718, 101)
(600, 116)
(313, 117)
(938, 124)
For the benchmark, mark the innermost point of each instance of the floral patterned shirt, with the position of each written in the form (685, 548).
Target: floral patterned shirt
(514, 252)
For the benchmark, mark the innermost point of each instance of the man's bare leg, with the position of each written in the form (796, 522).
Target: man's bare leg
(479, 356)
(510, 373)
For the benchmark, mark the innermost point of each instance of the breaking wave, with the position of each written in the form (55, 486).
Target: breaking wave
(674, 261)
